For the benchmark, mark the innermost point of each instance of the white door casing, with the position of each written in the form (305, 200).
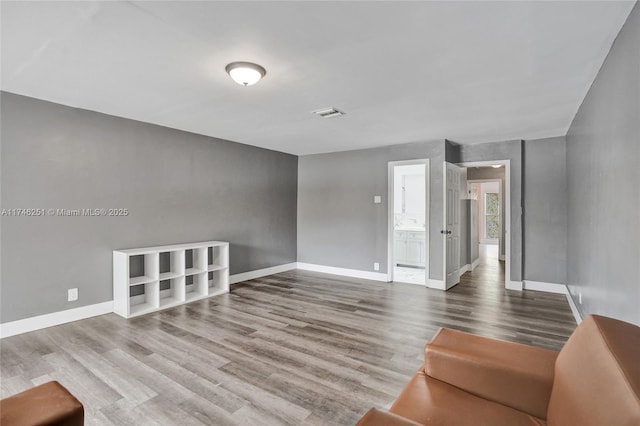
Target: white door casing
(392, 244)
(451, 229)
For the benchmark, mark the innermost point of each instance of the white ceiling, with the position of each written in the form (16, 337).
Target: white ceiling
(402, 71)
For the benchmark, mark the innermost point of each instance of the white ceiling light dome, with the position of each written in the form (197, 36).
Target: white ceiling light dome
(245, 73)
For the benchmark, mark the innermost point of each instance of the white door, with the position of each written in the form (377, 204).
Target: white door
(451, 231)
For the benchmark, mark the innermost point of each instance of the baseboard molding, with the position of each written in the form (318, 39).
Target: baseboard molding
(259, 273)
(574, 308)
(26, 325)
(437, 284)
(514, 285)
(475, 264)
(450, 286)
(465, 268)
(62, 317)
(353, 273)
(542, 286)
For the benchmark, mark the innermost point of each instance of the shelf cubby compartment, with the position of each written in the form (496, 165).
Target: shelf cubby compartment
(143, 298)
(196, 286)
(217, 257)
(171, 292)
(217, 282)
(195, 261)
(143, 268)
(148, 279)
(171, 264)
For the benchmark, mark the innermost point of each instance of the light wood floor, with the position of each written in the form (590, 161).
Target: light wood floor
(293, 348)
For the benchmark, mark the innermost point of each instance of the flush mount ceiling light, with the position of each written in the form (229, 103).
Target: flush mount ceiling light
(496, 166)
(245, 73)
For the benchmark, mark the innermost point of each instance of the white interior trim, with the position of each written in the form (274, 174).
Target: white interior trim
(574, 308)
(542, 286)
(513, 285)
(258, 273)
(437, 284)
(475, 263)
(409, 283)
(354, 273)
(390, 215)
(508, 284)
(56, 318)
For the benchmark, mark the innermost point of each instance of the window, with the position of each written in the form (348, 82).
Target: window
(491, 215)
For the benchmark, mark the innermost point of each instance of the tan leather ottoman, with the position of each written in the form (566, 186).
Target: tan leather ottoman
(48, 404)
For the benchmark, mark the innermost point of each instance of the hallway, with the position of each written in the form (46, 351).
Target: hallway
(488, 276)
(490, 269)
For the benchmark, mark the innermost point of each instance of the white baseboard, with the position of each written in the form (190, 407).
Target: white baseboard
(62, 317)
(574, 308)
(354, 273)
(56, 318)
(555, 288)
(475, 264)
(465, 268)
(259, 273)
(542, 286)
(437, 284)
(450, 286)
(514, 285)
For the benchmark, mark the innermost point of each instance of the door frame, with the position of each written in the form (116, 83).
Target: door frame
(508, 284)
(390, 222)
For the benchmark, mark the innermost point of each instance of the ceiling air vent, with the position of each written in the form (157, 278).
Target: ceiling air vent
(328, 112)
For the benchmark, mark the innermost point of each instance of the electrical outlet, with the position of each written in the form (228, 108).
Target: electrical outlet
(580, 298)
(376, 266)
(377, 199)
(72, 294)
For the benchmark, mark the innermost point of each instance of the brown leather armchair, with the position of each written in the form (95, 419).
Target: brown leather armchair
(49, 404)
(471, 380)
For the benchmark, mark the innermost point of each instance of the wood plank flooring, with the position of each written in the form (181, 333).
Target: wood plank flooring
(289, 349)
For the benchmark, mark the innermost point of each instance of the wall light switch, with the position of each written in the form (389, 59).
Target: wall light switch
(72, 294)
(377, 199)
(376, 266)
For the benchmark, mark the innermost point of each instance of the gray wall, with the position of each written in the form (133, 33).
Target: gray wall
(545, 211)
(464, 220)
(338, 223)
(603, 177)
(481, 173)
(178, 187)
(511, 150)
(472, 231)
(465, 233)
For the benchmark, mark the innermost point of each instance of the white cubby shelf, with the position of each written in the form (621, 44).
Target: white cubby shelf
(153, 278)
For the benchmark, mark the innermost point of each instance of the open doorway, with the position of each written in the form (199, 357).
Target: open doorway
(408, 222)
(486, 225)
(486, 215)
(490, 212)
